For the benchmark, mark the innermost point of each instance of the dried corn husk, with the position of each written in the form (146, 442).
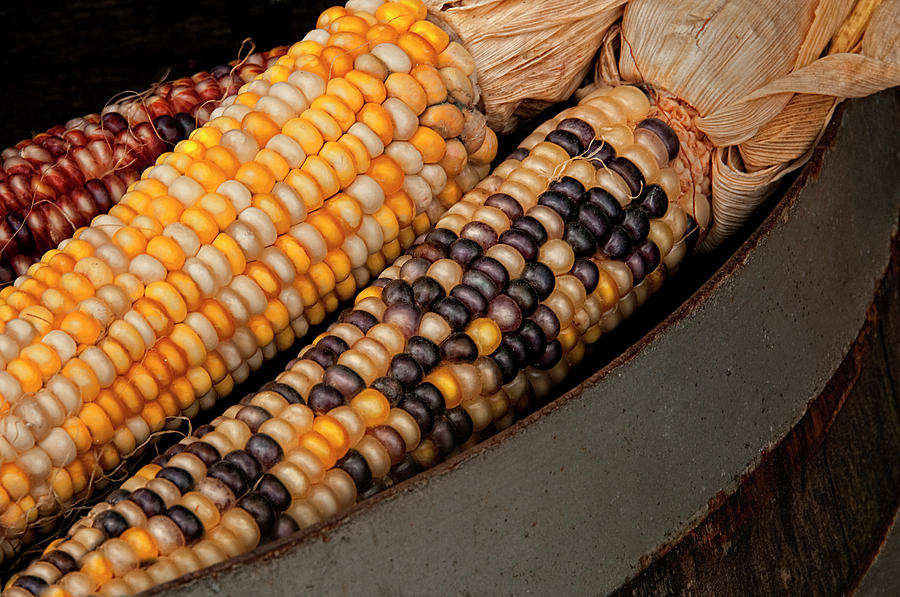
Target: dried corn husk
(529, 53)
(752, 70)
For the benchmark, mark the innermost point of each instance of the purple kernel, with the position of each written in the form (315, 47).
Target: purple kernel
(462, 424)
(345, 380)
(523, 294)
(397, 291)
(429, 251)
(533, 227)
(650, 254)
(558, 202)
(481, 233)
(426, 353)
(654, 201)
(481, 282)
(493, 268)
(323, 398)
(334, 343)
(505, 313)
(618, 245)
(419, 412)
(454, 311)
(473, 299)
(405, 316)
(636, 223)
(265, 449)
(593, 218)
(414, 269)
(465, 251)
(611, 208)
(271, 488)
(361, 319)
(390, 387)
(665, 134)
(459, 347)
(570, 142)
(630, 173)
(506, 204)
(580, 239)
(600, 153)
(519, 153)
(579, 128)
(285, 526)
(534, 338)
(522, 242)
(635, 263)
(405, 369)
(540, 277)
(356, 466)
(441, 236)
(570, 187)
(547, 321)
(187, 522)
(552, 355)
(426, 290)
(506, 361)
(261, 510)
(587, 273)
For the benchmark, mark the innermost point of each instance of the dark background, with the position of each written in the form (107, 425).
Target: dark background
(67, 59)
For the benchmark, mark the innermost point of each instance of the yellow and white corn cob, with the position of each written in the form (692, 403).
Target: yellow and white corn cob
(299, 188)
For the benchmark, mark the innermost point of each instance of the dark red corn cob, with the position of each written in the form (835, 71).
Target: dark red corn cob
(61, 179)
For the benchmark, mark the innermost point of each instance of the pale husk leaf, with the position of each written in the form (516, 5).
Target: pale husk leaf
(789, 123)
(711, 53)
(854, 27)
(789, 135)
(881, 40)
(783, 143)
(764, 96)
(830, 15)
(838, 75)
(528, 53)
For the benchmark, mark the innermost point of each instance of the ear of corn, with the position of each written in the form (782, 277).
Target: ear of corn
(480, 316)
(59, 180)
(309, 180)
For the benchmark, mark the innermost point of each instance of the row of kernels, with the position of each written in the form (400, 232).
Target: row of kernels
(593, 311)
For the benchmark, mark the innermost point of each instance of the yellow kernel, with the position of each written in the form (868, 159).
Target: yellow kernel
(486, 334)
(97, 422)
(168, 252)
(83, 328)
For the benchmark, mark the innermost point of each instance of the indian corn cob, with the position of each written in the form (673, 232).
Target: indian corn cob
(482, 313)
(59, 180)
(304, 184)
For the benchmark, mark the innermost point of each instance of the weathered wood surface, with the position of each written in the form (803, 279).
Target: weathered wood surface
(809, 520)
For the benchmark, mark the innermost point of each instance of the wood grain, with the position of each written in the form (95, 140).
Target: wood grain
(811, 517)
